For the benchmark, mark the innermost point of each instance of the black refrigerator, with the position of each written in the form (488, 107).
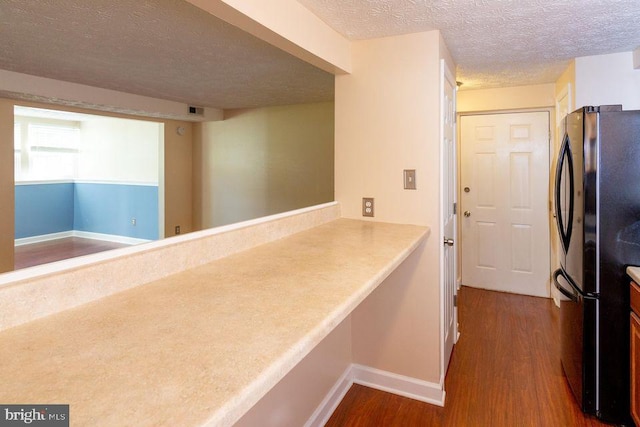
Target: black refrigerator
(597, 209)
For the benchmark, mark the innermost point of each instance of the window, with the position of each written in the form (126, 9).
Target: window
(45, 149)
(17, 151)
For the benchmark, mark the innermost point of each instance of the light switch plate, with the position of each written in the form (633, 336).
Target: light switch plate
(409, 179)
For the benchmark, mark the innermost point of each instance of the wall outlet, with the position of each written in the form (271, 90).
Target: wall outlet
(177, 229)
(133, 222)
(367, 206)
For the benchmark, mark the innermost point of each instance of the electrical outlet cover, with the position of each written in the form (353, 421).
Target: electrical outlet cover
(367, 206)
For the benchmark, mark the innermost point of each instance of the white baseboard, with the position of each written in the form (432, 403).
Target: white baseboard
(331, 401)
(401, 385)
(43, 238)
(110, 237)
(84, 234)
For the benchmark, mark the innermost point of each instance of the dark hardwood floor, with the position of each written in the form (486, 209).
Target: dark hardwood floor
(59, 249)
(505, 371)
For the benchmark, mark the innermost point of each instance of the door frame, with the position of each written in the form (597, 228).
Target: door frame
(550, 147)
(447, 74)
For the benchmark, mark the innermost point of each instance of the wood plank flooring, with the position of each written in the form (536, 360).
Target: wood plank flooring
(505, 371)
(59, 249)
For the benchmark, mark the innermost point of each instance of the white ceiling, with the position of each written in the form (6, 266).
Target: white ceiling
(496, 43)
(170, 49)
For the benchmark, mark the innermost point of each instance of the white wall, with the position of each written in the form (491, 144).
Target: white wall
(607, 79)
(119, 150)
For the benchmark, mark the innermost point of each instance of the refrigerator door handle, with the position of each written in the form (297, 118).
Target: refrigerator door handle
(577, 290)
(564, 156)
(572, 296)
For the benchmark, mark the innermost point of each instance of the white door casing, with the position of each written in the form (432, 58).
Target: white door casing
(448, 162)
(504, 201)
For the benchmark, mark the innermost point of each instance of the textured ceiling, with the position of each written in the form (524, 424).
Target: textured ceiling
(496, 42)
(166, 49)
(170, 49)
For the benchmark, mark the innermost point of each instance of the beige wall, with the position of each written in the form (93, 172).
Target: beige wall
(263, 161)
(509, 98)
(178, 184)
(387, 120)
(567, 80)
(178, 177)
(396, 329)
(6, 186)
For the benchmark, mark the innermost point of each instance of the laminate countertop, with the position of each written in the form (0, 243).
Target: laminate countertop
(634, 273)
(202, 346)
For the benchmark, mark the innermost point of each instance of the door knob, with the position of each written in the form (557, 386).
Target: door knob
(448, 242)
(467, 214)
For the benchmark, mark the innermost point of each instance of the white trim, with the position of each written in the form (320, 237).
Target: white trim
(43, 238)
(331, 401)
(401, 385)
(412, 388)
(83, 234)
(446, 76)
(110, 237)
(85, 181)
(88, 181)
(41, 182)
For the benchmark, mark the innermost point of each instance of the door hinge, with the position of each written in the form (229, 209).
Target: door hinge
(455, 300)
(455, 208)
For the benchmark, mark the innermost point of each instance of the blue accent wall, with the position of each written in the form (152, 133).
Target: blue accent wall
(43, 209)
(106, 208)
(109, 208)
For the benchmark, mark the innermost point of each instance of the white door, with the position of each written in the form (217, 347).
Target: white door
(504, 201)
(447, 201)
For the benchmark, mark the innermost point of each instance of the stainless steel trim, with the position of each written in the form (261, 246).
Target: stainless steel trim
(596, 152)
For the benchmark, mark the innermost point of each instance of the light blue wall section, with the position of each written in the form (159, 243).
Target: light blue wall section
(93, 207)
(43, 209)
(109, 209)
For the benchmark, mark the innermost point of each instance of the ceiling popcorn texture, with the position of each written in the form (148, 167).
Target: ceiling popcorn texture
(167, 49)
(170, 49)
(496, 43)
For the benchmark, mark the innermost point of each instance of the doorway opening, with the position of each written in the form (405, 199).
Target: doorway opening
(84, 183)
(504, 201)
